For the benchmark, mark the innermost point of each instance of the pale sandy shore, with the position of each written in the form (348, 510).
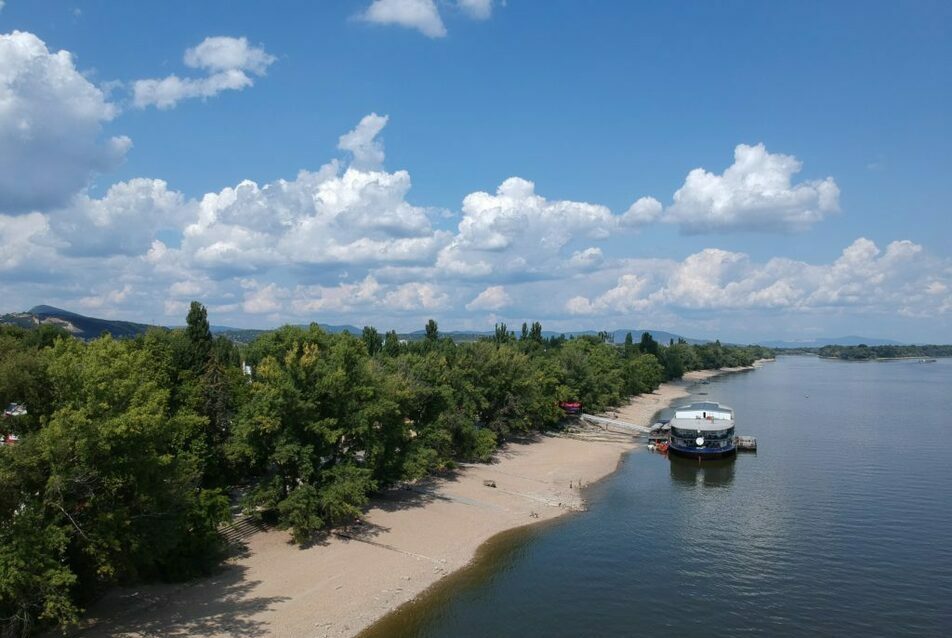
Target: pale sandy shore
(411, 538)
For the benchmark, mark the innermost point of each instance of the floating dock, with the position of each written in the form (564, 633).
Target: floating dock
(745, 443)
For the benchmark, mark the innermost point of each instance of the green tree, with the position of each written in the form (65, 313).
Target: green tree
(321, 428)
(535, 332)
(372, 340)
(199, 336)
(391, 345)
(648, 345)
(110, 485)
(432, 331)
(501, 333)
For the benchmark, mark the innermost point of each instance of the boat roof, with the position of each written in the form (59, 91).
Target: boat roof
(709, 406)
(704, 425)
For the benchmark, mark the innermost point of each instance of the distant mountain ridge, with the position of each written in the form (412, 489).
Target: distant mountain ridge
(78, 325)
(618, 335)
(819, 342)
(85, 327)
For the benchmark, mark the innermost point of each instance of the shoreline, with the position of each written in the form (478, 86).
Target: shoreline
(411, 539)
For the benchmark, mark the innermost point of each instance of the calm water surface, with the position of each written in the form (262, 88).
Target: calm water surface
(841, 524)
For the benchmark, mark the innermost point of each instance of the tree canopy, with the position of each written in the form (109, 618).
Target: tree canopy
(129, 447)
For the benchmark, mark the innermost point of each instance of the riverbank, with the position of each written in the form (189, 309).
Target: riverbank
(411, 538)
(641, 409)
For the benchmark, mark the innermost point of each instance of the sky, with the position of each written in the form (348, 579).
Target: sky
(734, 170)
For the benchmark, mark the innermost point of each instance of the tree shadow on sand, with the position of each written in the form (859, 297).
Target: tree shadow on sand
(220, 605)
(412, 495)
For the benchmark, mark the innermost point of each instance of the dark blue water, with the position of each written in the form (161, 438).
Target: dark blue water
(841, 524)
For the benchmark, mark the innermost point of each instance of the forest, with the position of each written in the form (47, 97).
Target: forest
(133, 453)
(864, 353)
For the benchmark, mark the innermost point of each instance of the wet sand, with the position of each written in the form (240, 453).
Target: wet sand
(411, 538)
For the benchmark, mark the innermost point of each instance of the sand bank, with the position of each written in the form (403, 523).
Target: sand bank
(411, 538)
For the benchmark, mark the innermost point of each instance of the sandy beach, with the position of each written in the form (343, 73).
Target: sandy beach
(410, 538)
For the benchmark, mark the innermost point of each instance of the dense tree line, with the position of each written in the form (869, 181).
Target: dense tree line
(864, 352)
(130, 448)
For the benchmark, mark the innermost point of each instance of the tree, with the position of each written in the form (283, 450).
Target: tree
(535, 332)
(673, 361)
(372, 340)
(648, 345)
(199, 336)
(118, 473)
(501, 333)
(432, 331)
(109, 487)
(23, 379)
(320, 429)
(391, 345)
(629, 347)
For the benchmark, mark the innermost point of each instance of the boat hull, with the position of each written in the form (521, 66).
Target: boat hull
(702, 454)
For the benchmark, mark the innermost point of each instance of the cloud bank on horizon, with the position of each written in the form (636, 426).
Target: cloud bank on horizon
(343, 243)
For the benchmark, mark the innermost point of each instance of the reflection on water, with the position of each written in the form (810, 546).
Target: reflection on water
(711, 473)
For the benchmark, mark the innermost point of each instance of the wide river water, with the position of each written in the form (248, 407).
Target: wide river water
(840, 524)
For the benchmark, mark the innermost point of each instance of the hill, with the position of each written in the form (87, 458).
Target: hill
(78, 325)
(84, 327)
(619, 335)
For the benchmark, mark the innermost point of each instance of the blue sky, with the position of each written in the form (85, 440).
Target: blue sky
(839, 223)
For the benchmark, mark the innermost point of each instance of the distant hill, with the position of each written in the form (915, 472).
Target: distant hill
(85, 327)
(78, 325)
(619, 335)
(829, 341)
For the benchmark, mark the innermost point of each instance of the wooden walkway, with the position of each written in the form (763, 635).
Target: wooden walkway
(608, 424)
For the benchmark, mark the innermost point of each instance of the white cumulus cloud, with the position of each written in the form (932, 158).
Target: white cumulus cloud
(477, 9)
(229, 63)
(263, 299)
(424, 15)
(23, 239)
(51, 121)
(344, 244)
(864, 279)
(492, 298)
(644, 211)
(755, 193)
(516, 232)
(421, 15)
(124, 221)
(363, 144)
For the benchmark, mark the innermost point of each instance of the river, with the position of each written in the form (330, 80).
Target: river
(840, 524)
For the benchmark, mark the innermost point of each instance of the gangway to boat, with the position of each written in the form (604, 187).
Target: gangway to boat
(625, 426)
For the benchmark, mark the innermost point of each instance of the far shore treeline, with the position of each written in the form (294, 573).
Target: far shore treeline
(864, 352)
(133, 452)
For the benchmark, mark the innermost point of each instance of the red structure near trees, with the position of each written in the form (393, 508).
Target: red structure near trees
(571, 407)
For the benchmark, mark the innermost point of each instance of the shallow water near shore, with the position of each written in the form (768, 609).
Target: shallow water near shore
(841, 523)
